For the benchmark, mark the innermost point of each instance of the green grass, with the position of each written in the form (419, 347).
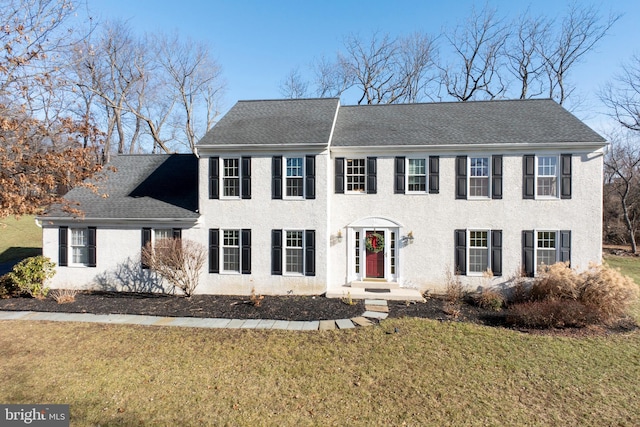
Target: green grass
(429, 373)
(19, 238)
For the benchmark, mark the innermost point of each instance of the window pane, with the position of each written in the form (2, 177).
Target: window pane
(547, 166)
(478, 187)
(356, 175)
(294, 262)
(294, 167)
(547, 182)
(231, 250)
(80, 255)
(79, 251)
(478, 251)
(357, 237)
(78, 237)
(546, 253)
(295, 187)
(417, 178)
(547, 186)
(231, 178)
(479, 166)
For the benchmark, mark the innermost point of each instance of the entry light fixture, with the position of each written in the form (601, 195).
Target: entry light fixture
(339, 236)
(410, 237)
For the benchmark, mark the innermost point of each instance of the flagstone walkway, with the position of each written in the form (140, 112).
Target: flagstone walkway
(376, 310)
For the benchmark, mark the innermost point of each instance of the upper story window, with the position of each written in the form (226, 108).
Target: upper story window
(416, 175)
(546, 176)
(479, 177)
(230, 177)
(356, 175)
(294, 177)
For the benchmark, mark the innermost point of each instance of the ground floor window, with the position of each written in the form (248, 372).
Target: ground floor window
(231, 250)
(478, 251)
(546, 248)
(79, 246)
(294, 252)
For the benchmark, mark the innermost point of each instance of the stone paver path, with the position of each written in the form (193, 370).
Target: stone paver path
(376, 310)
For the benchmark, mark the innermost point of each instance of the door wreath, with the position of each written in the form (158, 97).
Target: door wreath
(374, 242)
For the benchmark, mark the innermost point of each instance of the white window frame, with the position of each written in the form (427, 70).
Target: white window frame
(224, 177)
(556, 176)
(287, 248)
(224, 247)
(472, 177)
(408, 175)
(286, 177)
(84, 246)
(555, 250)
(364, 175)
(469, 248)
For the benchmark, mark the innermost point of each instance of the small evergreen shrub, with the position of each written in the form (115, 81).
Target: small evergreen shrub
(8, 289)
(490, 299)
(30, 274)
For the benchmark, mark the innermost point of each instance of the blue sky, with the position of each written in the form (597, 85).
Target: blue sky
(258, 42)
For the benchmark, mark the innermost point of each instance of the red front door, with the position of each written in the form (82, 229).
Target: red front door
(375, 254)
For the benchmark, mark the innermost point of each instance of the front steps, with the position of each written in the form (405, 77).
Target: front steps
(375, 290)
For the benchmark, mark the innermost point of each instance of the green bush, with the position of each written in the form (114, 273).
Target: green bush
(30, 274)
(7, 287)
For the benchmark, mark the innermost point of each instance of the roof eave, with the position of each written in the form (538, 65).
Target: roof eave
(502, 147)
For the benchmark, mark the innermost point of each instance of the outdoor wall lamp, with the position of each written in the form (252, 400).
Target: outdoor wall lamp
(339, 236)
(410, 237)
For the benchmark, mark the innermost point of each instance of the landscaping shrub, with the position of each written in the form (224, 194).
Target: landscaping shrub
(63, 296)
(552, 313)
(556, 281)
(7, 287)
(30, 274)
(490, 299)
(454, 290)
(607, 291)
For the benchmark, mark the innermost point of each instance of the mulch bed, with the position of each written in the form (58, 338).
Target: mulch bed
(281, 308)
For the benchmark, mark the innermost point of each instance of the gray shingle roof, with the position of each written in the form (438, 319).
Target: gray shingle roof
(288, 121)
(460, 123)
(142, 187)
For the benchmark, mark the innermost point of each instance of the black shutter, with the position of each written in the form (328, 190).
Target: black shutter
(276, 177)
(496, 252)
(339, 175)
(372, 180)
(214, 250)
(309, 252)
(310, 177)
(177, 233)
(565, 246)
(398, 184)
(246, 177)
(528, 176)
(245, 236)
(565, 176)
(276, 252)
(63, 249)
(146, 238)
(214, 174)
(461, 177)
(434, 174)
(528, 247)
(91, 246)
(460, 260)
(496, 177)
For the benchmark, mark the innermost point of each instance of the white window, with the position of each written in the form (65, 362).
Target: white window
(478, 251)
(79, 246)
(294, 252)
(417, 175)
(231, 250)
(479, 177)
(295, 177)
(356, 175)
(546, 248)
(547, 176)
(231, 177)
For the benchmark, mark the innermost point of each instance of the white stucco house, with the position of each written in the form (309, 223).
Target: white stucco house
(311, 197)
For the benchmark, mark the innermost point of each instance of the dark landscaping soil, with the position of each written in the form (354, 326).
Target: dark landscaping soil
(283, 308)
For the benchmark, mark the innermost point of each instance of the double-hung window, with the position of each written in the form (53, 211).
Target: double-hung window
(478, 251)
(294, 252)
(231, 177)
(79, 246)
(546, 248)
(479, 177)
(231, 250)
(356, 175)
(546, 176)
(295, 177)
(416, 175)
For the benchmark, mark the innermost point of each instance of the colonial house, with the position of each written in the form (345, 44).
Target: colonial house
(307, 196)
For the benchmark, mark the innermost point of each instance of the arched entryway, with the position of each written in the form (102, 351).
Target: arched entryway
(373, 255)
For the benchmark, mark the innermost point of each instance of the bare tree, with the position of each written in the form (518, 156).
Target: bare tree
(478, 54)
(293, 86)
(622, 96)
(622, 180)
(579, 32)
(179, 261)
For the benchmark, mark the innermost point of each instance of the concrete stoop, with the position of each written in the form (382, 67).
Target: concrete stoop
(378, 292)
